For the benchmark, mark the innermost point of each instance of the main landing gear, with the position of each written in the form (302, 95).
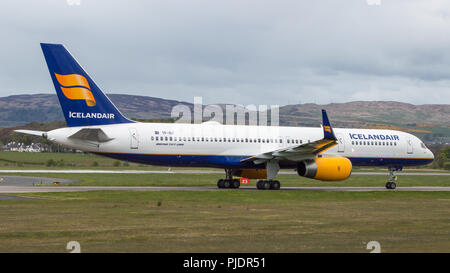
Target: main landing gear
(228, 182)
(391, 185)
(272, 168)
(268, 185)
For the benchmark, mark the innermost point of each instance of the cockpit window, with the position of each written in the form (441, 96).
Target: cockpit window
(423, 145)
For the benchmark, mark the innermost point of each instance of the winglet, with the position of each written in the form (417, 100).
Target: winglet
(327, 130)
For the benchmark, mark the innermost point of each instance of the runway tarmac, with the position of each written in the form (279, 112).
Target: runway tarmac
(26, 184)
(31, 189)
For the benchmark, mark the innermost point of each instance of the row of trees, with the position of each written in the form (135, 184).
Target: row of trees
(442, 159)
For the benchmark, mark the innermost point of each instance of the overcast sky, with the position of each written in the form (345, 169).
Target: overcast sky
(236, 51)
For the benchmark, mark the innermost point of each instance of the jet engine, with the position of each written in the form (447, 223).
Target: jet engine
(325, 168)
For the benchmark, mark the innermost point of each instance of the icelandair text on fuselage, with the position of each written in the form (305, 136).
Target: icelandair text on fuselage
(91, 115)
(373, 137)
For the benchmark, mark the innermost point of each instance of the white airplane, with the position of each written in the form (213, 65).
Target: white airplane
(324, 153)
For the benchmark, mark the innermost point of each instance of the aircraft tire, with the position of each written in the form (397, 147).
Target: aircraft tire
(235, 183)
(220, 184)
(275, 185)
(259, 184)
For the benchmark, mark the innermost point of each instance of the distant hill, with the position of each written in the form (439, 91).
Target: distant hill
(372, 111)
(429, 121)
(21, 109)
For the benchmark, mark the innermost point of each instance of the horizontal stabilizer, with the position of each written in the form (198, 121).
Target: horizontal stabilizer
(92, 134)
(31, 132)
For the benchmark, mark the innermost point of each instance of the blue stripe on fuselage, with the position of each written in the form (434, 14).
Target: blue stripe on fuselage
(223, 161)
(373, 161)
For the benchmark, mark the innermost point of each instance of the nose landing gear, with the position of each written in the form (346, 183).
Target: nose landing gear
(391, 185)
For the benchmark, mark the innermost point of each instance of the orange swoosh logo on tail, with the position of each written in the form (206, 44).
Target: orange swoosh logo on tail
(76, 87)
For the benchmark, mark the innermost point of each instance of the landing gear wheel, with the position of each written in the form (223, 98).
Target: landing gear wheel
(226, 184)
(220, 184)
(266, 185)
(259, 184)
(391, 185)
(236, 184)
(275, 185)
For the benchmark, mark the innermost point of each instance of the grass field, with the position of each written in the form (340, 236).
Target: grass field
(220, 221)
(211, 180)
(227, 221)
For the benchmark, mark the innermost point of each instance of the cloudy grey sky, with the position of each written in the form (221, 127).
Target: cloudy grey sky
(237, 51)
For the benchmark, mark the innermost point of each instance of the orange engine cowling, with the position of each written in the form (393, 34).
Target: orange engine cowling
(251, 173)
(325, 168)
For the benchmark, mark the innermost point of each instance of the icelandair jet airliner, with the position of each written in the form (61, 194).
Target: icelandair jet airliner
(324, 153)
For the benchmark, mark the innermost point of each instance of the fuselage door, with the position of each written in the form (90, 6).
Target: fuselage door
(409, 146)
(134, 138)
(341, 143)
(286, 139)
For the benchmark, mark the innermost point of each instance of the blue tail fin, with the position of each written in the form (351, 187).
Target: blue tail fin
(82, 102)
(327, 130)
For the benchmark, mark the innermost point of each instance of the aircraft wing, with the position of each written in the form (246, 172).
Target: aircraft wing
(91, 134)
(302, 151)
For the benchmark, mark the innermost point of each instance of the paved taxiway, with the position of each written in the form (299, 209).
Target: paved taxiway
(26, 184)
(198, 172)
(27, 189)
